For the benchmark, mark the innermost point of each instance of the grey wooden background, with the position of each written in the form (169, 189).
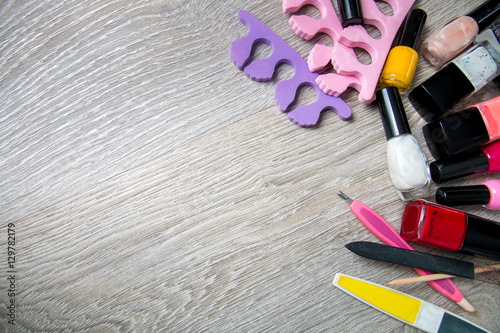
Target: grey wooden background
(153, 187)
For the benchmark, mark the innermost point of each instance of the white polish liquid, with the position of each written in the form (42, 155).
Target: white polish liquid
(408, 167)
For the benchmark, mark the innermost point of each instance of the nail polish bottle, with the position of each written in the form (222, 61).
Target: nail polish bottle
(476, 125)
(350, 12)
(466, 74)
(486, 194)
(478, 160)
(407, 164)
(450, 229)
(449, 40)
(402, 60)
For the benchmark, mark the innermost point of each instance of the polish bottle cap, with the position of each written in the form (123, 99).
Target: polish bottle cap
(456, 133)
(392, 112)
(463, 195)
(412, 28)
(350, 12)
(482, 237)
(486, 14)
(440, 92)
(459, 165)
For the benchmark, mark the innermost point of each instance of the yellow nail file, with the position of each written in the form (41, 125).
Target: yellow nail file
(412, 311)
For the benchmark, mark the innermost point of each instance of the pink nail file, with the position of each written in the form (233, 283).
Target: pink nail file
(286, 91)
(385, 232)
(350, 72)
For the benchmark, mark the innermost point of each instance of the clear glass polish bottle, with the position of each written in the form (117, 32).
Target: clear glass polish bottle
(407, 164)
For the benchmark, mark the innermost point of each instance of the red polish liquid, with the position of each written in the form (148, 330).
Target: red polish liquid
(434, 225)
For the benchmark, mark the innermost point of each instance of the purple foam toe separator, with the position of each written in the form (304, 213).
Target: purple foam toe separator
(286, 91)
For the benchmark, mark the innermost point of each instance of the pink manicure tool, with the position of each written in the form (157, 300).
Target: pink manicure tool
(385, 232)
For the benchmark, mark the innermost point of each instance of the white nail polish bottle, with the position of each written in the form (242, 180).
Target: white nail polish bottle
(407, 164)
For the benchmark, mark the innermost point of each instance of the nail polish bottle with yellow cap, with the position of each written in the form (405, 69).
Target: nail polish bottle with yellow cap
(402, 60)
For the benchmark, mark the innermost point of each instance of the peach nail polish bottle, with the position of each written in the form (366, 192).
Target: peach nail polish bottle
(452, 38)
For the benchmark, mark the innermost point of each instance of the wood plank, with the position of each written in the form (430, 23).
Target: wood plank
(153, 187)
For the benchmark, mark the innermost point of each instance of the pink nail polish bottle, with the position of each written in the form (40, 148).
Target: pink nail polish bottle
(486, 194)
(452, 38)
(476, 125)
(479, 160)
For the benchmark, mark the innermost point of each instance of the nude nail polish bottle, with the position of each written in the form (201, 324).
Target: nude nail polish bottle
(452, 38)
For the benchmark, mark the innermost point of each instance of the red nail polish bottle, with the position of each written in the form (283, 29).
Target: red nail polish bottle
(450, 229)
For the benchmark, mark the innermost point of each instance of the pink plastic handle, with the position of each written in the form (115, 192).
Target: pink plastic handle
(386, 233)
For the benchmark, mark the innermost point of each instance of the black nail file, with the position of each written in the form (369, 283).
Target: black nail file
(413, 259)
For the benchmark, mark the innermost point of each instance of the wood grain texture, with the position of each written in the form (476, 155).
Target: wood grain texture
(154, 188)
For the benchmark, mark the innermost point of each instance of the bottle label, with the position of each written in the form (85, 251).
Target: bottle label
(478, 65)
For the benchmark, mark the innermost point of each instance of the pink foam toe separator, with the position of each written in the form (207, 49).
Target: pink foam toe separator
(351, 72)
(286, 91)
(319, 57)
